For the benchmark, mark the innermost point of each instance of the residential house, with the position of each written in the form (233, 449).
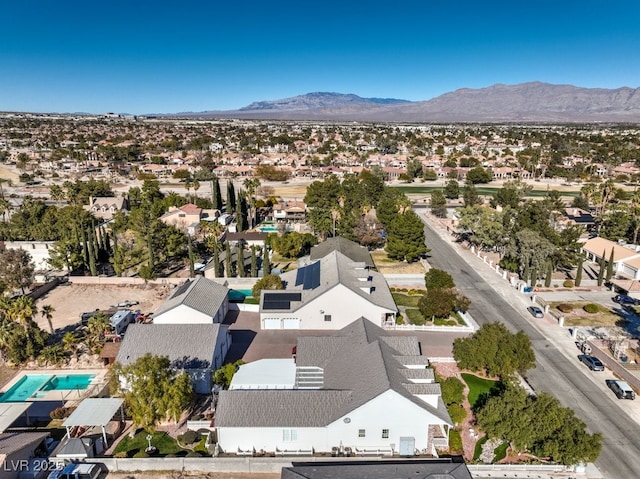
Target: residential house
(197, 301)
(360, 390)
(38, 250)
(18, 451)
(248, 238)
(198, 349)
(107, 206)
(289, 212)
(350, 249)
(328, 293)
(626, 258)
(188, 217)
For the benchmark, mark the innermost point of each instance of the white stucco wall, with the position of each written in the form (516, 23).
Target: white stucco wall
(390, 410)
(341, 303)
(39, 251)
(182, 315)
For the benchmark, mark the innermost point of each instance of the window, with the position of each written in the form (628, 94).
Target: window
(361, 433)
(289, 435)
(327, 317)
(385, 434)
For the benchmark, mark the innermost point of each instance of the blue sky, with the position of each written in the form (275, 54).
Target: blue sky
(164, 56)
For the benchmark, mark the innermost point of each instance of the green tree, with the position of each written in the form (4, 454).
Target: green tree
(16, 269)
(452, 190)
(224, 375)
(440, 303)
(538, 425)
(494, 350)
(479, 175)
(610, 263)
(438, 204)
(405, 238)
(580, 267)
(293, 244)
(437, 278)
(470, 195)
(254, 262)
(269, 281)
(154, 390)
(47, 312)
(266, 263)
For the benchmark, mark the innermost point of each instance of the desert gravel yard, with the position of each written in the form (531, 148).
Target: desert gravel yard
(71, 300)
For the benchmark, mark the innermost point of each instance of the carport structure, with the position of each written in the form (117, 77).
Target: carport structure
(11, 412)
(94, 412)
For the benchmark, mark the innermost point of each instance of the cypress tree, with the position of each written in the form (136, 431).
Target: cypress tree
(579, 272)
(92, 257)
(534, 277)
(240, 260)
(227, 261)
(610, 267)
(254, 262)
(547, 279)
(600, 270)
(231, 197)
(216, 263)
(85, 249)
(266, 264)
(192, 270)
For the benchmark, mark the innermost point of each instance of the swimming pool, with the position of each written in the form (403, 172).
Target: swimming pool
(34, 386)
(238, 295)
(268, 229)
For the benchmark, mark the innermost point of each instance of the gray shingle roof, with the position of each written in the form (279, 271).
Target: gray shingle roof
(335, 269)
(188, 346)
(200, 294)
(11, 442)
(278, 407)
(349, 248)
(357, 361)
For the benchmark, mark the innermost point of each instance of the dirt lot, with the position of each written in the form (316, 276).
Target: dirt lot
(71, 300)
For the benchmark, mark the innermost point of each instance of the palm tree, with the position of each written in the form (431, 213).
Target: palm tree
(21, 310)
(47, 312)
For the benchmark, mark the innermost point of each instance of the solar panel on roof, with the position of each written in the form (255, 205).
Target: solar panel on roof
(312, 276)
(267, 305)
(282, 296)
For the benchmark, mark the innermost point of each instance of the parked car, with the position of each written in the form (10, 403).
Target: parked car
(535, 312)
(621, 389)
(592, 362)
(624, 299)
(77, 471)
(127, 304)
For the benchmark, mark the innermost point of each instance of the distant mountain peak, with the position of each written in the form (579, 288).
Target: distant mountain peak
(315, 100)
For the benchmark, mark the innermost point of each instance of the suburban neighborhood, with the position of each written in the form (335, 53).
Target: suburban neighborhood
(260, 297)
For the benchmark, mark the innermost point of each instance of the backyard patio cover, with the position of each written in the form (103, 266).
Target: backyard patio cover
(10, 412)
(93, 412)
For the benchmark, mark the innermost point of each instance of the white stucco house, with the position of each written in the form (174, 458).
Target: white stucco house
(38, 250)
(360, 389)
(626, 258)
(328, 293)
(198, 349)
(197, 301)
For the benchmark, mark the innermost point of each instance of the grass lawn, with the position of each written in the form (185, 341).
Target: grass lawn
(478, 449)
(415, 317)
(579, 317)
(165, 444)
(477, 386)
(500, 452)
(406, 300)
(384, 264)
(482, 190)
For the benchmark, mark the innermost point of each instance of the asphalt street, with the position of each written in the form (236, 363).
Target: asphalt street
(492, 299)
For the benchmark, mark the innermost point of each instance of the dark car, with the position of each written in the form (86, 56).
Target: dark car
(592, 362)
(535, 312)
(624, 299)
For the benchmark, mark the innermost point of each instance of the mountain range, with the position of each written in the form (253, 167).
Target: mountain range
(524, 102)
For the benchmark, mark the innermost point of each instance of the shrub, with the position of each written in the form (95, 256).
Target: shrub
(140, 455)
(189, 437)
(591, 308)
(61, 412)
(565, 308)
(455, 442)
(567, 284)
(457, 413)
(120, 455)
(194, 454)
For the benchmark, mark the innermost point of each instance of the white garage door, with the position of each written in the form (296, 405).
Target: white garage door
(291, 323)
(629, 271)
(272, 324)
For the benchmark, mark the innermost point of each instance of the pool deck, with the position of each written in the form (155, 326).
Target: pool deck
(65, 395)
